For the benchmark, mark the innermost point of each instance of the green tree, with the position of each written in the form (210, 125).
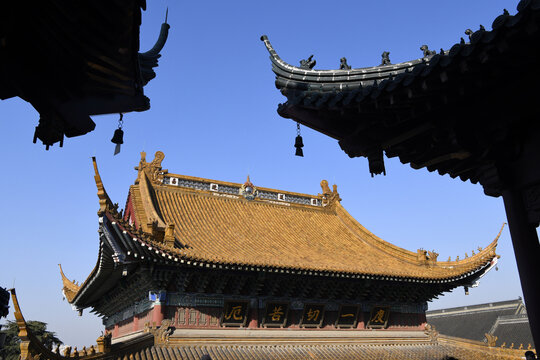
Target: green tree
(12, 350)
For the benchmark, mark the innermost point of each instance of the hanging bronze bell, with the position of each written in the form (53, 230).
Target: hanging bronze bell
(118, 137)
(299, 144)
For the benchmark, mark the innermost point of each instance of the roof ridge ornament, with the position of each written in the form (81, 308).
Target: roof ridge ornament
(248, 190)
(330, 197)
(427, 53)
(343, 64)
(152, 169)
(308, 63)
(385, 58)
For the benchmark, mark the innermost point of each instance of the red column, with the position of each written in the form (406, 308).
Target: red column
(157, 314)
(361, 324)
(135, 322)
(253, 318)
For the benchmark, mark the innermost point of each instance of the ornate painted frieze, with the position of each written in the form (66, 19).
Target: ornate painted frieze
(127, 313)
(273, 197)
(195, 300)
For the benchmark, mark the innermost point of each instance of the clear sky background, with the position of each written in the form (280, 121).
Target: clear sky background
(213, 114)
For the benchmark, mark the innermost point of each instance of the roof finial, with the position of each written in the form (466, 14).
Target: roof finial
(385, 58)
(426, 51)
(248, 190)
(343, 64)
(166, 14)
(308, 63)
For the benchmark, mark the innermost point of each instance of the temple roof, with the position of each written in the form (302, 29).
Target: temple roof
(449, 111)
(301, 232)
(182, 220)
(220, 222)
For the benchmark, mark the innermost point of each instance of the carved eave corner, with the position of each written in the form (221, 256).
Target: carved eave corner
(69, 288)
(330, 197)
(477, 259)
(105, 203)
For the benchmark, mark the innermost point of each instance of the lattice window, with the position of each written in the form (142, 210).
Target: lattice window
(181, 316)
(202, 318)
(192, 317)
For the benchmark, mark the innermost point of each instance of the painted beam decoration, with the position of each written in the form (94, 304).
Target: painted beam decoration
(313, 315)
(378, 319)
(347, 316)
(275, 314)
(234, 313)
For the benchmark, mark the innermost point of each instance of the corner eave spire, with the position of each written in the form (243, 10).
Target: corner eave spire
(105, 202)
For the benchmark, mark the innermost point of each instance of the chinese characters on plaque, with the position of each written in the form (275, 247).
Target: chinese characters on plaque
(378, 318)
(275, 314)
(347, 316)
(235, 313)
(313, 315)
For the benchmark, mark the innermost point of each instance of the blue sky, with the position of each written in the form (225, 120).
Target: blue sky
(213, 114)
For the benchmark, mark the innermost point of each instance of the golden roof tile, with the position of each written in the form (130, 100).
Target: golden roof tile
(217, 225)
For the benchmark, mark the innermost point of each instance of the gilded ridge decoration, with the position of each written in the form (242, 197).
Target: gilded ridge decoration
(330, 197)
(153, 169)
(248, 190)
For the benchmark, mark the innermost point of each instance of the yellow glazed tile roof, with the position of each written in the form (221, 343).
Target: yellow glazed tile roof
(214, 221)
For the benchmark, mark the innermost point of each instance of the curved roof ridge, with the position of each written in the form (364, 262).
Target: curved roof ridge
(150, 173)
(377, 242)
(149, 206)
(70, 288)
(421, 255)
(486, 253)
(335, 75)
